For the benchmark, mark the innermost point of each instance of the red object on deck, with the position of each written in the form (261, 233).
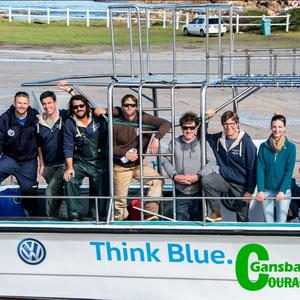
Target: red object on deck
(134, 214)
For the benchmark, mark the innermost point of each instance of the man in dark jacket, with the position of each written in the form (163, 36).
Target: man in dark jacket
(85, 150)
(236, 157)
(50, 149)
(18, 148)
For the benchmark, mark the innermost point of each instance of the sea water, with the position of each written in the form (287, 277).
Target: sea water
(58, 8)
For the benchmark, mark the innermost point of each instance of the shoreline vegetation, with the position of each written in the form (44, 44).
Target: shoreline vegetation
(77, 36)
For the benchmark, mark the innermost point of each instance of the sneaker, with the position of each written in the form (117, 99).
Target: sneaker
(214, 216)
(121, 214)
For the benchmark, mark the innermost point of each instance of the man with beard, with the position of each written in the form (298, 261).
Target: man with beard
(18, 148)
(126, 156)
(85, 150)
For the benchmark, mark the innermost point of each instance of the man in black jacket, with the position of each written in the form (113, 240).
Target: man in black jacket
(18, 147)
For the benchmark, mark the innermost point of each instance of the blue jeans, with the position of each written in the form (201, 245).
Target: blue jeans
(188, 209)
(282, 207)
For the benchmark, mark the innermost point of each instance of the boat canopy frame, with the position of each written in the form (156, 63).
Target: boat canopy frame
(144, 78)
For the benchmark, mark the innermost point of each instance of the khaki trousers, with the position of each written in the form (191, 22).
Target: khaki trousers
(122, 179)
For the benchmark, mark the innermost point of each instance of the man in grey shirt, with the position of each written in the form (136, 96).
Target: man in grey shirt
(186, 169)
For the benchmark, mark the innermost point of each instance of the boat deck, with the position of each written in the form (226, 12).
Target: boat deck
(161, 227)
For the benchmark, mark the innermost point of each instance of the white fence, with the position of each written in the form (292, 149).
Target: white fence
(154, 16)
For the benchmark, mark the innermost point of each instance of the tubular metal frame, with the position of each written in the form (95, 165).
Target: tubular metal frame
(141, 80)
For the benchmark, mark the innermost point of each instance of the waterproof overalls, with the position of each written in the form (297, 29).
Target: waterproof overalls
(90, 160)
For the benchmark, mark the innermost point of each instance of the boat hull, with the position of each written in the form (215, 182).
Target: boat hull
(146, 262)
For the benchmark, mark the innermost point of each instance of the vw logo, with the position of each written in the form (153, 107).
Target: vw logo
(31, 251)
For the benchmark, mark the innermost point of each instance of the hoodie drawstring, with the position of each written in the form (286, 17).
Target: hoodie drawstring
(60, 123)
(241, 143)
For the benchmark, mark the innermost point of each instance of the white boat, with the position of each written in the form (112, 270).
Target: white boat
(165, 259)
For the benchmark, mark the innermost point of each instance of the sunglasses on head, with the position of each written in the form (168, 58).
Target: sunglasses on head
(129, 105)
(78, 106)
(188, 127)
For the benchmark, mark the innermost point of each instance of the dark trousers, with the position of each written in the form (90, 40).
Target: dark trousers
(188, 209)
(54, 178)
(98, 186)
(25, 173)
(214, 185)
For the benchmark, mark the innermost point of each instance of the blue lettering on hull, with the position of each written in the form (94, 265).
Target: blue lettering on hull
(175, 253)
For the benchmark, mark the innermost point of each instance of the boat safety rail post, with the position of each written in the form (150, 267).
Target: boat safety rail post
(147, 20)
(154, 101)
(221, 68)
(275, 67)
(129, 7)
(173, 103)
(174, 21)
(111, 210)
(140, 130)
(207, 45)
(248, 66)
(203, 135)
(294, 61)
(219, 39)
(231, 40)
(271, 61)
(112, 36)
(96, 208)
(130, 43)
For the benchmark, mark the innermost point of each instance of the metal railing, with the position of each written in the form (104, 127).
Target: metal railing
(87, 219)
(141, 80)
(150, 16)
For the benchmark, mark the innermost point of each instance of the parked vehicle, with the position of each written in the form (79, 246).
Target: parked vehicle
(198, 26)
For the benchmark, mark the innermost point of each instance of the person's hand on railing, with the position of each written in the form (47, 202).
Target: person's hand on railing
(260, 196)
(210, 113)
(64, 85)
(279, 196)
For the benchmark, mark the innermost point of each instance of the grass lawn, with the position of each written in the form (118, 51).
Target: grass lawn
(77, 34)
